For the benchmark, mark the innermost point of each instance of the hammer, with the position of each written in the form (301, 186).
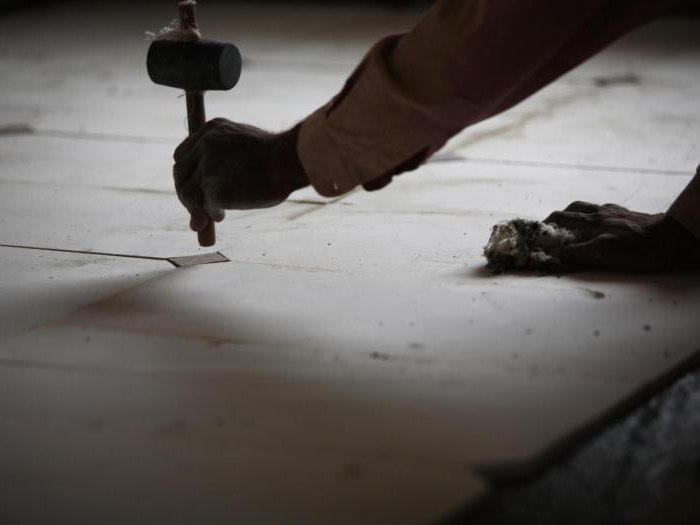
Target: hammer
(180, 58)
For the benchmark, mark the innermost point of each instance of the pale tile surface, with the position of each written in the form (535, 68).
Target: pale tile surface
(170, 448)
(649, 124)
(40, 286)
(452, 347)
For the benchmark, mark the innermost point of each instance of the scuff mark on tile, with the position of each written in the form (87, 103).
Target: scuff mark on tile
(628, 79)
(16, 128)
(595, 294)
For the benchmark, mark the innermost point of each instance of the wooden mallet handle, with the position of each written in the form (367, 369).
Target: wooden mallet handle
(196, 118)
(196, 114)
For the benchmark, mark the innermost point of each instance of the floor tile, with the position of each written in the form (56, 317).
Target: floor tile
(40, 286)
(477, 359)
(649, 124)
(178, 449)
(123, 221)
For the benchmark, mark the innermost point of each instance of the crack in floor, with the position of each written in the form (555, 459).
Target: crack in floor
(177, 262)
(23, 129)
(566, 165)
(448, 155)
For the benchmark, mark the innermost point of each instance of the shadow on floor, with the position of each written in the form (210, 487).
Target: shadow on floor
(643, 469)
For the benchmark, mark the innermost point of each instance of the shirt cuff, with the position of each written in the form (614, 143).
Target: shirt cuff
(686, 209)
(371, 128)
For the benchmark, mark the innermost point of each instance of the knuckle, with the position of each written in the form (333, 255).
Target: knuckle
(576, 205)
(555, 216)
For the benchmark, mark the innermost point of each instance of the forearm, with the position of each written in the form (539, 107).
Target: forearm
(465, 61)
(686, 209)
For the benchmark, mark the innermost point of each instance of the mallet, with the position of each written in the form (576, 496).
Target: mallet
(180, 58)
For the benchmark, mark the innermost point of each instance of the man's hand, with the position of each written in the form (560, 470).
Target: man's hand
(236, 167)
(610, 237)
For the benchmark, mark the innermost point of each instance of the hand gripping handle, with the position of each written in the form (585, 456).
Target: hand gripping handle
(196, 118)
(196, 115)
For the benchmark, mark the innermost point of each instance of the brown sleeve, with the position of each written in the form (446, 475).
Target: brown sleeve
(686, 209)
(465, 60)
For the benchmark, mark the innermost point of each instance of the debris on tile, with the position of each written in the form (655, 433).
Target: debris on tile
(595, 294)
(526, 245)
(628, 79)
(19, 128)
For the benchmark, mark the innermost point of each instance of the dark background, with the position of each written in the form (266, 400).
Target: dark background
(687, 6)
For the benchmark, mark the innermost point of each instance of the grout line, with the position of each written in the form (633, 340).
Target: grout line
(27, 130)
(177, 262)
(542, 164)
(298, 66)
(99, 136)
(304, 201)
(445, 157)
(82, 252)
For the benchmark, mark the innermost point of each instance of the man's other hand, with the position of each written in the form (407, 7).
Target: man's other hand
(237, 167)
(611, 237)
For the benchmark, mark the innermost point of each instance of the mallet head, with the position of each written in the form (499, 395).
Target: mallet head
(200, 65)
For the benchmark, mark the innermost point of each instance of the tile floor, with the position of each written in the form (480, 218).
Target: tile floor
(354, 362)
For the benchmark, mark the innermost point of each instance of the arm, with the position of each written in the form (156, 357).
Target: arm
(465, 61)
(686, 209)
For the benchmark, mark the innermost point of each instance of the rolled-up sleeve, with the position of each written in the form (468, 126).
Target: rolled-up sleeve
(465, 61)
(686, 209)
(372, 127)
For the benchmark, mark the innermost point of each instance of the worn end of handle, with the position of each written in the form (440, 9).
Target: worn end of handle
(207, 237)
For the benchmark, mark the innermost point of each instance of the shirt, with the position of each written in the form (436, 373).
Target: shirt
(465, 61)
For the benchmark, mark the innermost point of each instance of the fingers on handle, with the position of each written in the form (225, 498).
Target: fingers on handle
(213, 213)
(207, 235)
(202, 209)
(192, 141)
(187, 145)
(198, 220)
(186, 166)
(191, 197)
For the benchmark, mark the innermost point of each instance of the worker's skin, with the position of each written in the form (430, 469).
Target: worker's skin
(238, 167)
(235, 166)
